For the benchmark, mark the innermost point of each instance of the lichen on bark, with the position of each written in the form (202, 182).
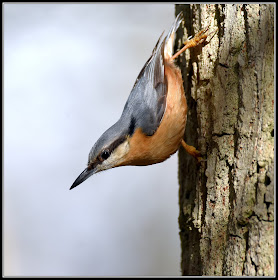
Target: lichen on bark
(226, 203)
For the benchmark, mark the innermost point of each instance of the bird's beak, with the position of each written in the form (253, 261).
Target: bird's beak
(83, 176)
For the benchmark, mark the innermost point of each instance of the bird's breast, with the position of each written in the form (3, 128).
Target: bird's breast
(145, 150)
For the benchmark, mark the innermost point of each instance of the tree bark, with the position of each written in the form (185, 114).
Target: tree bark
(227, 202)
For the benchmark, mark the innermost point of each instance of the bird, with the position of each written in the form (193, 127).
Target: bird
(152, 124)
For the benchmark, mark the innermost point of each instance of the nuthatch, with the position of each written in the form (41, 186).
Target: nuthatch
(152, 124)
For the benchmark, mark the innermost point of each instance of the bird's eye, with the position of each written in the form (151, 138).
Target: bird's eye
(105, 154)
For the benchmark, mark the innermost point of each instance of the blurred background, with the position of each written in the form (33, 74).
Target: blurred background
(68, 71)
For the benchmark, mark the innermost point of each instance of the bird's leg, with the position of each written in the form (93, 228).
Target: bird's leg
(195, 41)
(192, 151)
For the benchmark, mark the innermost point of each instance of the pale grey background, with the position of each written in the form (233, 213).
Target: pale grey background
(68, 70)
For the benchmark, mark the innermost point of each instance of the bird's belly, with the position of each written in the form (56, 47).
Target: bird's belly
(145, 150)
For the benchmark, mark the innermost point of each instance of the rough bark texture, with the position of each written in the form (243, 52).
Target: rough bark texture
(227, 202)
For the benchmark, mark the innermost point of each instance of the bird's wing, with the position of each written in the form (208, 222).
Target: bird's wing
(147, 101)
(146, 104)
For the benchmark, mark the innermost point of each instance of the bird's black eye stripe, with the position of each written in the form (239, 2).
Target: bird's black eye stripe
(105, 154)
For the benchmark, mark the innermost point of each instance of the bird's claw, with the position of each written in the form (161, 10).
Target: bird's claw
(200, 37)
(193, 151)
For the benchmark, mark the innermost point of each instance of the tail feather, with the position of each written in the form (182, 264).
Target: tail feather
(154, 67)
(168, 50)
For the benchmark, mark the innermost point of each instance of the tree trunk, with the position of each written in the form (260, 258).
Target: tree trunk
(227, 202)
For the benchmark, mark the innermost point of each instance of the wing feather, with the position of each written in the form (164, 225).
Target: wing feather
(146, 104)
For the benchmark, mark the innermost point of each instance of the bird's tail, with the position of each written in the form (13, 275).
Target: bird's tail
(154, 67)
(169, 43)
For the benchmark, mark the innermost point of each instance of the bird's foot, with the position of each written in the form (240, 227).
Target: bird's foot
(198, 39)
(192, 151)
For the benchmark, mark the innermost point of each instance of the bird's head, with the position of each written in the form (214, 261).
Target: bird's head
(109, 151)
